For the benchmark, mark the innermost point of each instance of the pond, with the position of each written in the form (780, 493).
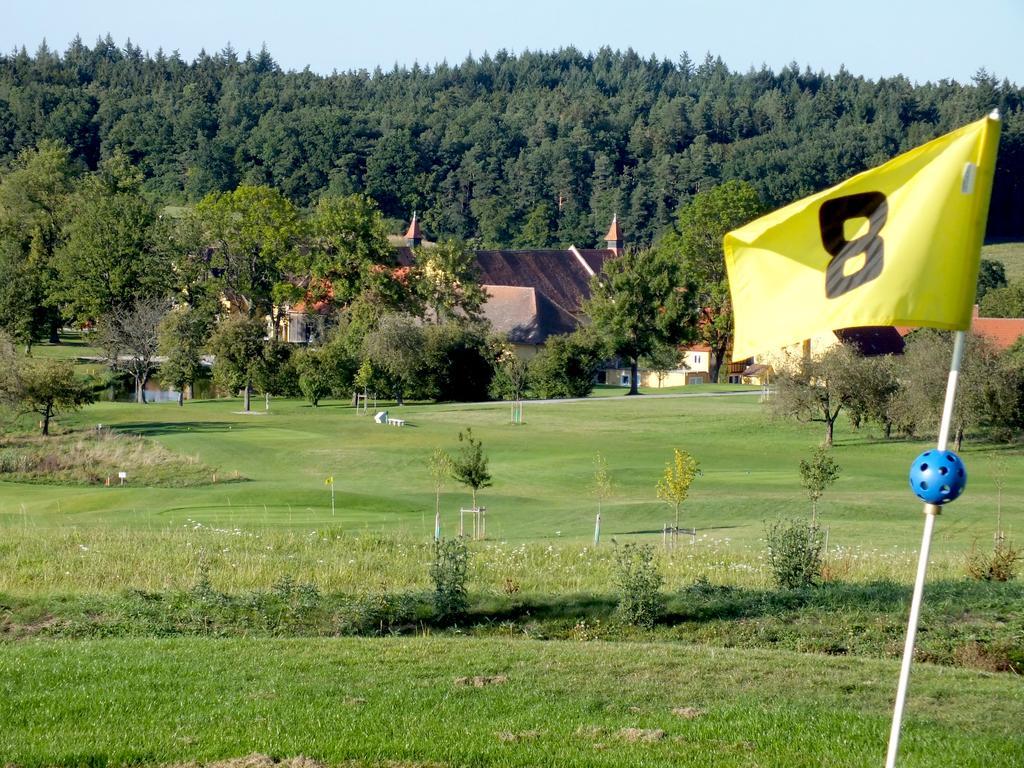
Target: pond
(123, 391)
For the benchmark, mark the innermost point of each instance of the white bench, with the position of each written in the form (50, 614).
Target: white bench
(396, 422)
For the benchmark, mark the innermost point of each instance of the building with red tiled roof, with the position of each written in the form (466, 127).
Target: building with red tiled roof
(1002, 332)
(532, 293)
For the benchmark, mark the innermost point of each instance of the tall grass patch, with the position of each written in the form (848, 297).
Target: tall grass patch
(92, 560)
(97, 457)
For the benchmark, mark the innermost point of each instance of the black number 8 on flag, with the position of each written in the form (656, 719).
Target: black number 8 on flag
(832, 215)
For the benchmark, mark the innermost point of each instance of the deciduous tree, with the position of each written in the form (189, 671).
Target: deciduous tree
(815, 388)
(238, 345)
(45, 387)
(511, 374)
(991, 274)
(314, 376)
(33, 209)
(601, 489)
(457, 361)
(640, 301)
(252, 233)
(130, 334)
(447, 282)
(924, 372)
(817, 474)
(396, 347)
(700, 228)
(1005, 301)
(469, 465)
(439, 466)
(347, 237)
(874, 388)
(183, 334)
(567, 364)
(111, 255)
(674, 486)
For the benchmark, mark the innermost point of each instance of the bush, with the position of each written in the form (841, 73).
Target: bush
(999, 565)
(381, 613)
(278, 375)
(314, 376)
(794, 552)
(638, 581)
(566, 366)
(458, 365)
(448, 573)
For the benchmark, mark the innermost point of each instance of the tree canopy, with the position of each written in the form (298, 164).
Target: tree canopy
(640, 301)
(697, 239)
(531, 149)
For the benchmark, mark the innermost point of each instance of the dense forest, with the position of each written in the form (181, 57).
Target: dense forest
(534, 149)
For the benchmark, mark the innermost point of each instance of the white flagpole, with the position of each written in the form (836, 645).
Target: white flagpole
(930, 513)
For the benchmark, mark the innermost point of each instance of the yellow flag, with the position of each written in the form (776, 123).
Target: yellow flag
(329, 480)
(895, 245)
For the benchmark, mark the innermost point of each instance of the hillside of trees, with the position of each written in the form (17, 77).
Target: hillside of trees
(534, 149)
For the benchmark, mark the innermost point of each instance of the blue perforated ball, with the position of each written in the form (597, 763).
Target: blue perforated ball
(938, 477)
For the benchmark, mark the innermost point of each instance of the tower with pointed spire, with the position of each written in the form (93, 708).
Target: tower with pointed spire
(413, 237)
(614, 236)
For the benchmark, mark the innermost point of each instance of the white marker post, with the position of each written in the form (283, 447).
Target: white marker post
(931, 511)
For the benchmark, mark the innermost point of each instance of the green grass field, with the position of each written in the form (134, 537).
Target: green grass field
(415, 702)
(1010, 254)
(539, 508)
(72, 557)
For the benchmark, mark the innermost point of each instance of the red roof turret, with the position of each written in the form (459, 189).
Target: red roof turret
(614, 236)
(413, 237)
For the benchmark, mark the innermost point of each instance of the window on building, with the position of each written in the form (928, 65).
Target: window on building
(624, 380)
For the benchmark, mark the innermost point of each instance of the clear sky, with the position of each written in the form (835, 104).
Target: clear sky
(922, 39)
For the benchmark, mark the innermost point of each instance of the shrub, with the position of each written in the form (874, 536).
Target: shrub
(458, 363)
(999, 565)
(794, 552)
(638, 582)
(381, 613)
(566, 366)
(448, 574)
(314, 376)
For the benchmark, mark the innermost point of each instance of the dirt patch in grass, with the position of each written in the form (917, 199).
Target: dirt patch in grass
(96, 457)
(479, 681)
(687, 713)
(641, 735)
(511, 737)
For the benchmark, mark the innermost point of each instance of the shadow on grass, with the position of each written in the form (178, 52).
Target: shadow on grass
(705, 602)
(156, 428)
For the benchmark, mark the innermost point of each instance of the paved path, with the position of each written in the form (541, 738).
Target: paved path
(598, 399)
(639, 398)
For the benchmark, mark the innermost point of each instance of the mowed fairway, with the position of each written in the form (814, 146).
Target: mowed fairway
(415, 701)
(1010, 255)
(541, 469)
